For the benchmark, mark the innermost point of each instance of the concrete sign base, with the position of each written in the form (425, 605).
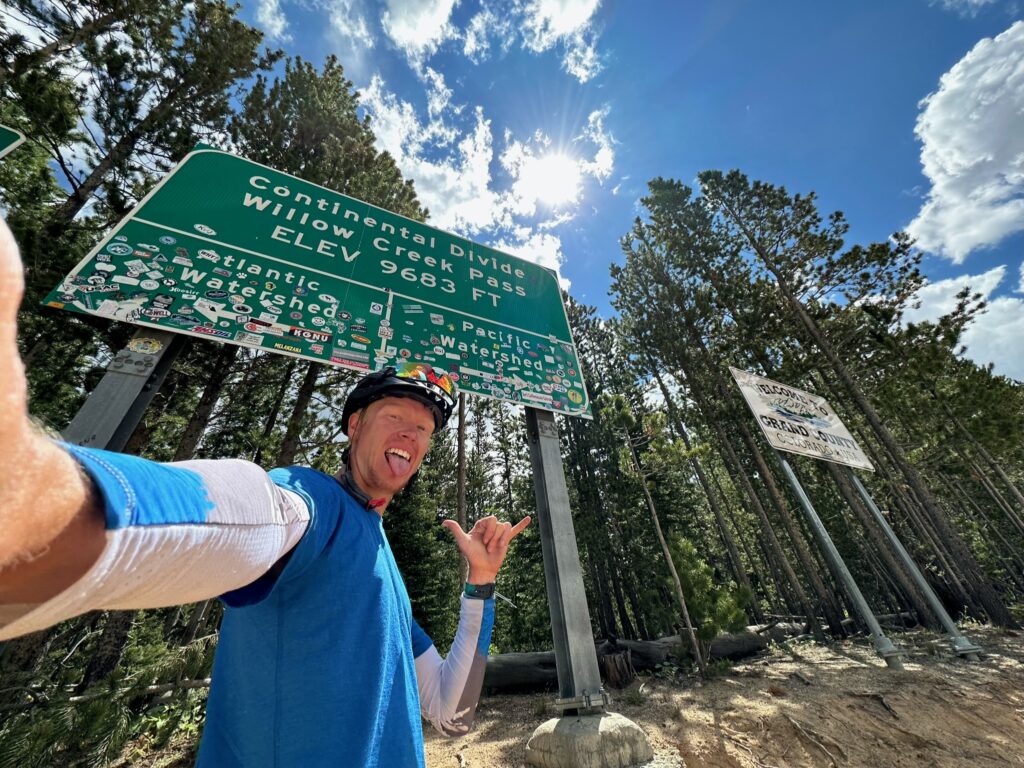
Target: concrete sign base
(606, 740)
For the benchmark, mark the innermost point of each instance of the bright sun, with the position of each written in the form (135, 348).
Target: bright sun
(553, 179)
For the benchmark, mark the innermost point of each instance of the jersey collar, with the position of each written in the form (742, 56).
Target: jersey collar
(349, 484)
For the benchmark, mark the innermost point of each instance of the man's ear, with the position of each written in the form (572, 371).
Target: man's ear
(353, 423)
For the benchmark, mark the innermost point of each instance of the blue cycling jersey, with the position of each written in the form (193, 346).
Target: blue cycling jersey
(316, 666)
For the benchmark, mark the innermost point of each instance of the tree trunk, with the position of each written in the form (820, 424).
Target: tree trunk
(825, 596)
(1011, 558)
(617, 669)
(522, 672)
(668, 558)
(109, 648)
(290, 443)
(755, 561)
(195, 621)
(883, 549)
(909, 507)
(275, 410)
(620, 604)
(983, 452)
(730, 546)
(634, 603)
(780, 558)
(121, 150)
(207, 402)
(62, 44)
(992, 491)
(605, 617)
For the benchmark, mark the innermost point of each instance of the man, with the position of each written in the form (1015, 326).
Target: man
(319, 660)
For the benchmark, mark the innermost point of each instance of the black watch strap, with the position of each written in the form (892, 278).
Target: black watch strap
(480, 591)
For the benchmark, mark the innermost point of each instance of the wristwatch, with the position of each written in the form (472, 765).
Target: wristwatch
(480, 591)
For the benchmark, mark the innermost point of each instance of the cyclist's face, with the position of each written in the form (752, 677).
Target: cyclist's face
(389, 439)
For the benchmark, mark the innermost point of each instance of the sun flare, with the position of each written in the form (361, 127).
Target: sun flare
(553, 179)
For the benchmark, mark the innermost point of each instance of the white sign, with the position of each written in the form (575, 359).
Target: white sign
(799, 422)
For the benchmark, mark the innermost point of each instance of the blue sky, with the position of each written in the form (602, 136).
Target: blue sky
(534, 125)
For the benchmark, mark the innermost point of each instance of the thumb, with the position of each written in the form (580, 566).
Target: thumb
(454, 529)
(12, 283)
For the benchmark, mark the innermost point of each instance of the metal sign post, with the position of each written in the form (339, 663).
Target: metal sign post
(961, 645)
(579, 680)
(586, 733)
(114, 408)
(892, 655)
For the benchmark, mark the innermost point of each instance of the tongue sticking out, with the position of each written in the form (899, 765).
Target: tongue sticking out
(398, 464)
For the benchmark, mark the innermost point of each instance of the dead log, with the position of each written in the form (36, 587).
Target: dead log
(521, 672)
(778, 631)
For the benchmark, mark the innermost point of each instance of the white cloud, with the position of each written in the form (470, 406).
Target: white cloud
(973, 150)
(449, 151)
(449, 154)
(349, 23)
(272, 19)
(963, 7)
(539, 26)
(439, 103)
(455, 187)
(604, 160)
(476, 37)
(566, 23)
(994, 337)
(541, 248)
(418, 27)
(550, 21)
(1020, 287)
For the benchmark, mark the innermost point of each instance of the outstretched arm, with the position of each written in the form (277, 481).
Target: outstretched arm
(83, 529)
(52, 524)
(450, 687)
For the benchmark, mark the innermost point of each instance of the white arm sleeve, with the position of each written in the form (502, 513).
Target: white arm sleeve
(247, 525)
(450, 687)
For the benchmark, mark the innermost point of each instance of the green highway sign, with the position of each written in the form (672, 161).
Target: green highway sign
(9, 139)
(232, 250)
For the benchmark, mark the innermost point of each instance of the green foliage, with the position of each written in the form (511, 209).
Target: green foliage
(91, 728)
(714, 607)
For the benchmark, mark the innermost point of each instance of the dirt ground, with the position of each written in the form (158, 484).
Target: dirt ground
(810, 705)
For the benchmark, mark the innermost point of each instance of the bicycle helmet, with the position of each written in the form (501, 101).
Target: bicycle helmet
(431, 386)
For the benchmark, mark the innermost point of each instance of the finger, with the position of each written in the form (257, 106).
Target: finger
(511, 531)
(500, 540)
(506, 536)
(520, 526)
(490, 530)
(456, 531)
